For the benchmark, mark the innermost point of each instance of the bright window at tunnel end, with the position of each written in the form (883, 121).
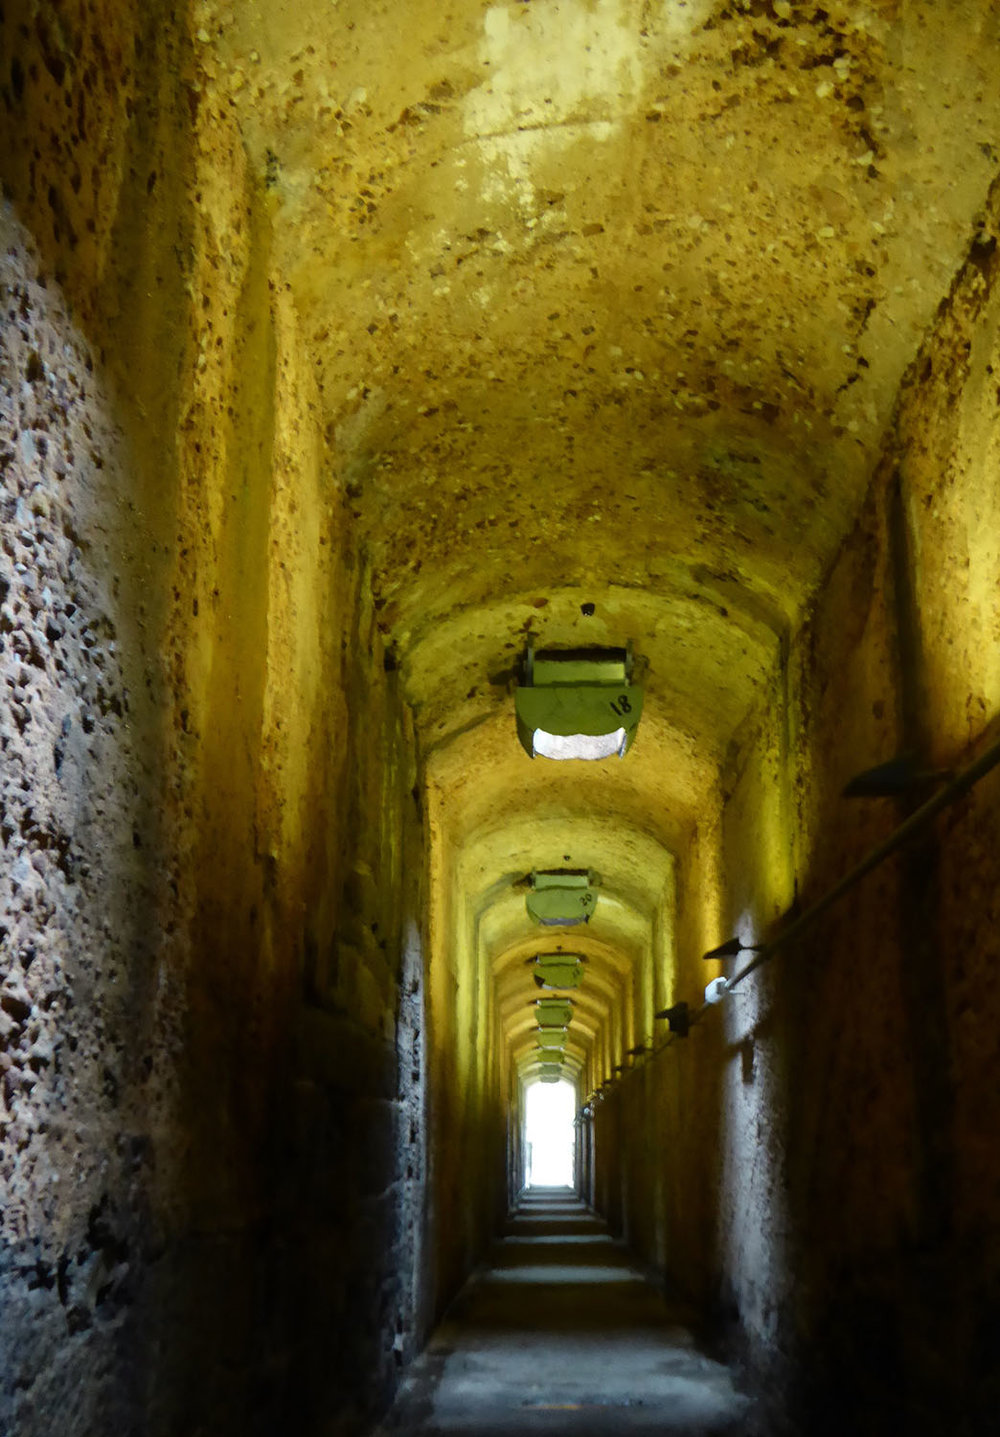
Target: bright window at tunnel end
(549, 1134)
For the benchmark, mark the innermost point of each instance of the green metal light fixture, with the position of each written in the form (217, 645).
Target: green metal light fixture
(561, 897)
(577, 703)
(553, 1012)
(551, 1038)
(558, 970)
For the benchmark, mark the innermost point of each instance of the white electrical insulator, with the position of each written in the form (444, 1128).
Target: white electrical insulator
(716, 990)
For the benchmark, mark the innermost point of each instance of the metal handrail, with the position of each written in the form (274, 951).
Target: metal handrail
(920, 818)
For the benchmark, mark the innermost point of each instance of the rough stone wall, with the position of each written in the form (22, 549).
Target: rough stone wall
(881, 1188)
(355, 1193)
(211, 1022)
(82, 1024)
(831, 1178)
(469, 1083)
(655, 1152)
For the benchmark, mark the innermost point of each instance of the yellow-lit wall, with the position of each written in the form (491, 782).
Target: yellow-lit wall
(471, 1078)
(236, 935)
(815, 1161)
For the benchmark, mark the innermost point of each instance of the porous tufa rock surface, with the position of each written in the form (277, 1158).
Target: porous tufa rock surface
(348, 349)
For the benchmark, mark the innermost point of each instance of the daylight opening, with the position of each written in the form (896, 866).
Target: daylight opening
(549, 1134)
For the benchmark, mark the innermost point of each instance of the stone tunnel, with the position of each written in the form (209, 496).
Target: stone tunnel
(354, 352)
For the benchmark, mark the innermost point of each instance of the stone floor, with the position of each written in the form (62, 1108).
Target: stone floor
(560, 1333)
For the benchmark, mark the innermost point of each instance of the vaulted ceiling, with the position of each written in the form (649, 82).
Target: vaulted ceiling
(609, 302)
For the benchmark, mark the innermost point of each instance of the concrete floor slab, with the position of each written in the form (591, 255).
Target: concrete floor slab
(562, 1334)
